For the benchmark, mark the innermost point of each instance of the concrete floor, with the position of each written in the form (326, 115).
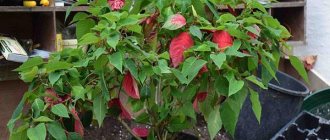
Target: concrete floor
(11, 93)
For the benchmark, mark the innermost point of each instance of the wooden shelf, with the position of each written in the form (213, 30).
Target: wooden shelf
(76, 9)
(25, 9)
(275, 5)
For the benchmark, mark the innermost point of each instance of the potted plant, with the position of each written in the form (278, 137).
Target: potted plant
(154, 62)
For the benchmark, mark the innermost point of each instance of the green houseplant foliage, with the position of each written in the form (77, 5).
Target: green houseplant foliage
(154, 62)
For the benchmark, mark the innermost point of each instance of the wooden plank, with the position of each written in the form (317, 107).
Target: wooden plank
(274, 5)
(75, 9)
(25, 9)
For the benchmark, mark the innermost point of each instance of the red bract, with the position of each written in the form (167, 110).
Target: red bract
(203, 70)
(78, 127)
(177, 47)
(141, 132)
(223, 39)
(130, 86)
(178, 20)
(52, 98)
(117, 103)
(252, 35)
(116, 4)
(200, 97)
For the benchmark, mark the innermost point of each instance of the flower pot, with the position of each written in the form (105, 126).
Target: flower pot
(280, 103)
(305, 126)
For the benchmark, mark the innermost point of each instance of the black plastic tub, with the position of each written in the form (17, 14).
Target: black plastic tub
(305, 126)
(280, 103)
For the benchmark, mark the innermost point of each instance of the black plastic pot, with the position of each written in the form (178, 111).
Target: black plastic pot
(305, 126)
(280, 103)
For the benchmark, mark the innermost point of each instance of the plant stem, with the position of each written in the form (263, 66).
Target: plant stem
(128, 128)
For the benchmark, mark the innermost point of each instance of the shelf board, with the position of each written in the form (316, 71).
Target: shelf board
(6, 70)
(75, 9)
(25, 9)
(274, 5)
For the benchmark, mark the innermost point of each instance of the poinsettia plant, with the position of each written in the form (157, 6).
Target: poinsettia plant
(155, 62)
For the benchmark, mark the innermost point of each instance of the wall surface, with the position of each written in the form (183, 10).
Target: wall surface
(318, 37)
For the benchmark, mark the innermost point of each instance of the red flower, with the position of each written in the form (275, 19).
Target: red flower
(130, 86)
(200, 97)
(141, 132)
(177, 47)
(223, 39)
(116, 4)
(78, 127)
(252, 35)
(117, 103)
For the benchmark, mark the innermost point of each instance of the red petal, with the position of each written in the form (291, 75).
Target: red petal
(130, 86)
(178, 20)
(223, 39)
(177, 47)
(200, 97)
(78, 127)
(141, 132)
(124, 113)
(116, 4)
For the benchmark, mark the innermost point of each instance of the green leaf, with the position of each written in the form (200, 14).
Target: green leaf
(79, 16)
(28, 76)
(163, 65)
(202, 48)
(37, 133)
(83, 27)
(105, 91)
(131, 20)
(188, 110)
(99, 109)
(57, 65)
(20, 133)
(113, 40)
(214, 122)
(297, 64)
(191, 67)
(226, 18)
(37, 106)
(30, 63)
(42, 119)
(56, 130)
(195, 31)
(218, 59)
(234, 85)
(221, 85)
(60, 110)
(78, 92)
(89, 38)
(116, 60)
(266, 64)
(234, 50)
(256, 105)
(132, 68)
(252, 30)
(53, 77)
(180, 76)
(254, 80)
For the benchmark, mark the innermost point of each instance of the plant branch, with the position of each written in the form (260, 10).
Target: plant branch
(128, 129)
